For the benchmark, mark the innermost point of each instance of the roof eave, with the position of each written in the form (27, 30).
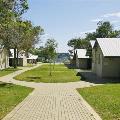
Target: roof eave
(111, 56)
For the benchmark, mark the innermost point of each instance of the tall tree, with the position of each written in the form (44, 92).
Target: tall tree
(14, 32)
(91, 36)
(103, 30)
(30, 36)
(10, 12)
(78, 43)
(50, 47)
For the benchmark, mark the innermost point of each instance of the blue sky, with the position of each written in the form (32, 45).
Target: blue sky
(66, 19)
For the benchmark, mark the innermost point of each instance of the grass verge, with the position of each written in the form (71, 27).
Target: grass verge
(104, 99)
(7, 71)
(10, 96)
(60, 74)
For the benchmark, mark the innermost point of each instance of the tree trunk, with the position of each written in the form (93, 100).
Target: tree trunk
(17, 56)
(54, 65)
(50, 69)
(15, 62)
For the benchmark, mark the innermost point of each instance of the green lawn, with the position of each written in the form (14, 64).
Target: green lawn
(10, 96)
(60, 74)
(7, 71)
(104, 99)
(30, 65)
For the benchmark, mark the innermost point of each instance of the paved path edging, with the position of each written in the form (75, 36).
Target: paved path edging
(51, 101)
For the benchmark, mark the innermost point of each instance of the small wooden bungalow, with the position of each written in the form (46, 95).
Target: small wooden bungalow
(82, 61)
(32, 59)
(106, 57)
(22, 59)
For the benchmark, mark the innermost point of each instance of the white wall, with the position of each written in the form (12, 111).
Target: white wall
(97, 61)
(4, 59)
(24, 61)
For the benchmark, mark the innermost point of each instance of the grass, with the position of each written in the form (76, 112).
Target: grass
(7, 71)
(30, 65)
(60, 74)
(10, 96)
(104, 99)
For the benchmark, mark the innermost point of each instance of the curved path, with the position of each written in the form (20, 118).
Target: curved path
(51, 101)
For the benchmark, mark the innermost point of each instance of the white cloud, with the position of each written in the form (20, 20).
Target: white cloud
(116, 14)
(112, 17)
(88, 31)
(115, 21)
(82, 34)
(117, 27)
(96, 20)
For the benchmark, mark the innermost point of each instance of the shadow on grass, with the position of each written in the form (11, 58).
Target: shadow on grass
(93, 78)
(10, 69)
(2, 84)
(33, 78)
(70, 66)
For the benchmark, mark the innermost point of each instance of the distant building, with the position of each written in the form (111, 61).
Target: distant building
(82, 61)
(32, 58)
(22, 59)
(72, 57)
(4, 58)
(106, 57)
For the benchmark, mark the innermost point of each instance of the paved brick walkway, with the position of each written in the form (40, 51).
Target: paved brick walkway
(51, 101)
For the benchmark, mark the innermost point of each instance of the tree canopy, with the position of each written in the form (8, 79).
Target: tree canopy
(50, 47)
(103, 30)
(16, 33)
(78, 43)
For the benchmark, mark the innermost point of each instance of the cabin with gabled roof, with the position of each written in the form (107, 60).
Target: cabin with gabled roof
(82, 60)
(22, 59)
(106, 57)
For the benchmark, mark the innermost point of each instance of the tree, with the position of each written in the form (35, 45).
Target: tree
(30, 36)
(50, 47)
(19, 7)
(10, 12)
(78, 43)
(41, 52)
(91, 36)
(104, 30)
(24, 34)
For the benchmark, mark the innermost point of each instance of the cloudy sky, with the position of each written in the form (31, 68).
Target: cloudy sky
(66, 19)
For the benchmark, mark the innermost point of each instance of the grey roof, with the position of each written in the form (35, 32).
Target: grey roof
(92, 42)
(109, 46)
(81, 53)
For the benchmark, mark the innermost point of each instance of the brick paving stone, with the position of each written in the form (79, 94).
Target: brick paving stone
(51, 101)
